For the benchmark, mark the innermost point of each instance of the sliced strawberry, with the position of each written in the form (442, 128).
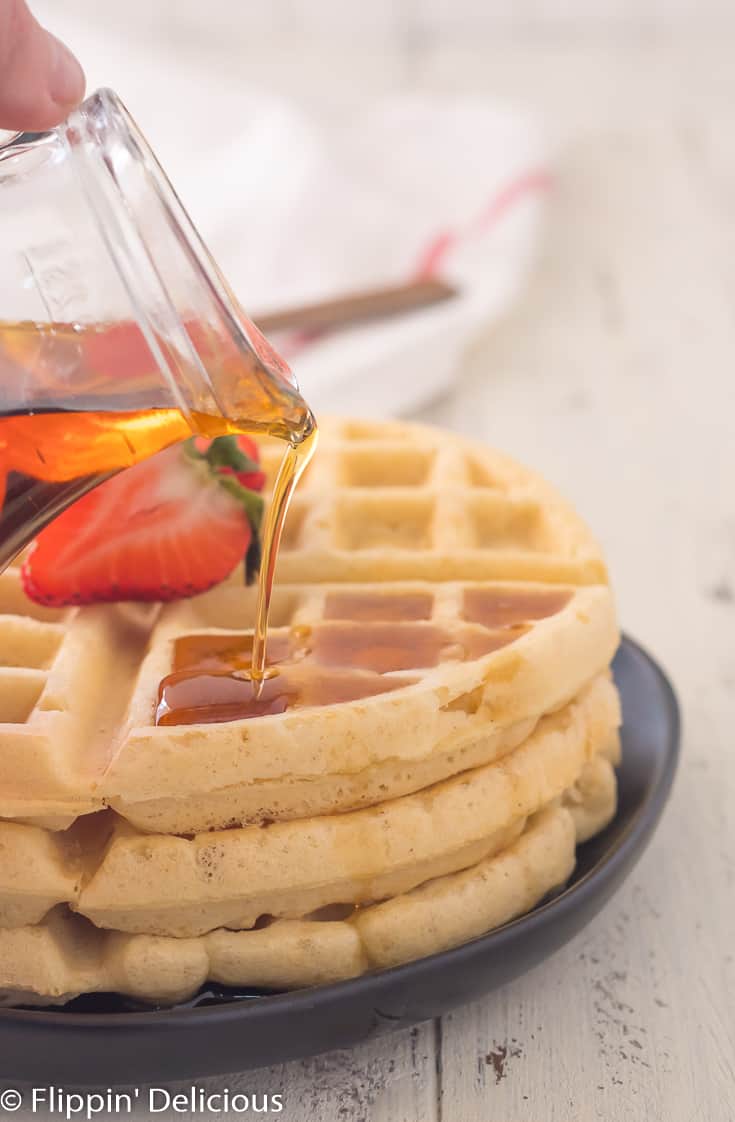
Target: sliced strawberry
(167, 528)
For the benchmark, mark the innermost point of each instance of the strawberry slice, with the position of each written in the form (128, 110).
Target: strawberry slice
(168, 528)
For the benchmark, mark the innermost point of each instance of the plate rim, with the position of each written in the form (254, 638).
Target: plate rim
(630, 844)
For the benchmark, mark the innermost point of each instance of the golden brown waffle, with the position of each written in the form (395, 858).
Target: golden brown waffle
(78, 700)
(71, 753)
(441, 719)
(391, 500)
(183, 887)
(455, 610)
(67, 955)
(61, 700)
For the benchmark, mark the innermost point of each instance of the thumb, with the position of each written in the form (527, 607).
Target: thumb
(40, 80)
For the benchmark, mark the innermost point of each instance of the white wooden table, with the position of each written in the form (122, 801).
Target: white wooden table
(615, 377)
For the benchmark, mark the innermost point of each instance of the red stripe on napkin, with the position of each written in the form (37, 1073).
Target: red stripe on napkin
(506, 198)
(435, 254)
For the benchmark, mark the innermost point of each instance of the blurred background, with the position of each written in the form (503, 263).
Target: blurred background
(579, 157)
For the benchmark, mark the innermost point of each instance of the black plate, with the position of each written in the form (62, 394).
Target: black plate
(230, 1031)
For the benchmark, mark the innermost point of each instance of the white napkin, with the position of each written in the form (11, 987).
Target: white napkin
(296, 208)
(307, 211)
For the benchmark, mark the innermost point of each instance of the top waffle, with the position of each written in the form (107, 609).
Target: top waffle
(397, 501)
(434, 600)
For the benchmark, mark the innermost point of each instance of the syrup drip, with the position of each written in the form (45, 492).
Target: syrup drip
(294, 463)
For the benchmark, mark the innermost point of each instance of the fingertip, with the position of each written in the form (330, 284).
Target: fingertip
(40, 79)
(66, 81)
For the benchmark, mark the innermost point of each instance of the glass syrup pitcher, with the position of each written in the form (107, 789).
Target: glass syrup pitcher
(118, 334)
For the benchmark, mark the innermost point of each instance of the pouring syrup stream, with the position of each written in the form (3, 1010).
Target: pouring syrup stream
(293, 465)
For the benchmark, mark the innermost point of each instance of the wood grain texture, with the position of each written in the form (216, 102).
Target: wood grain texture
(390, 1079)
(615, 376)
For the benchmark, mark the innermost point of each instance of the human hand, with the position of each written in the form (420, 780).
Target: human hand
(40, 80)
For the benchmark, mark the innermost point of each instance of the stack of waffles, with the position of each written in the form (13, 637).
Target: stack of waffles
(440, 735)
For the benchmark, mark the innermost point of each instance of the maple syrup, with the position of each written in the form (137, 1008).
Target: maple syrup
(510, 607)
(331, 662)
(231, 653)
(378, 606)
(385, 648)
(196, 697)
(94, 391)
(293, 465)
(50, 459)
(334, 660)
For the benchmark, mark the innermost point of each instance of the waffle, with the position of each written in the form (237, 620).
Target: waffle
(185, 887)
(79, 700)
(435, 721)
(67, 955)
(443, 624)
(61, 698)
(387, 501)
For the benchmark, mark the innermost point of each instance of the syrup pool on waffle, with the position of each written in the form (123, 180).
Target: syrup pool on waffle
(366, 644)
